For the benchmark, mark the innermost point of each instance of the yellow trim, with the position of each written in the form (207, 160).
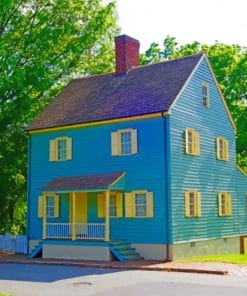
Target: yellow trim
(73, 216)
(115, 181)
(197, 203)
(221, 95)
(44, 216)
(95, 123)
(227, 203)
(241, 170)
(107, 216)
(195, 143)
(225, 148)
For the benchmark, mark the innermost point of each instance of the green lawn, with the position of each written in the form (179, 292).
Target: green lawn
(229, 258)
(2, 294)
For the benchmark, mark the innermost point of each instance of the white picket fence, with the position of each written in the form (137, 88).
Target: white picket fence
(13, 244)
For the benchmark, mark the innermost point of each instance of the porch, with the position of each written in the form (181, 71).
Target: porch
(78, 208)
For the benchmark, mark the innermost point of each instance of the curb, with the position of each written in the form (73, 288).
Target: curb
(110, 266)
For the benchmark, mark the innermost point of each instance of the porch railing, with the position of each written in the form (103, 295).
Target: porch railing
(92, 231)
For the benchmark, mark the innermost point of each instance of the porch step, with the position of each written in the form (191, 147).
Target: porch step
(37, 250)
(123, 251)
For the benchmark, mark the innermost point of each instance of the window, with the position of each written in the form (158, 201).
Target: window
(222, 149)
(124, 142)
(224, 204)
(205, 95)
(51, 206)
(139, 204)
(192, 203)
(61, 149)
(115, 205)
(192, 142)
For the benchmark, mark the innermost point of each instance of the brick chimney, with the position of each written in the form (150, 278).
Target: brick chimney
(127, 53)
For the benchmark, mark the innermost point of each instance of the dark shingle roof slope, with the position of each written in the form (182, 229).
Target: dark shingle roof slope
(83, 182)
(143, 90)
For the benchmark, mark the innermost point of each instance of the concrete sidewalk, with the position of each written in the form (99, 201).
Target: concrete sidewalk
(193, 267)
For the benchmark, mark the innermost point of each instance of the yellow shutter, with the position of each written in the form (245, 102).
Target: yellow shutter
(56, 206)
(198, 205)
(40, 206)
(115, 144)
(129, 205)
(149, 202)
(119, 202)
(218, 148)
(101, 205)
(53, 150)
(133, 141)
(226, 150)
(69, 148)
(229, 205)
(187, 140)
(196, 143)
(220, 204)
(187, 204)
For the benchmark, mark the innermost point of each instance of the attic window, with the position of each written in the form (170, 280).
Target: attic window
(205, 95)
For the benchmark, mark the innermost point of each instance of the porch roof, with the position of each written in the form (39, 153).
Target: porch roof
(97, 182)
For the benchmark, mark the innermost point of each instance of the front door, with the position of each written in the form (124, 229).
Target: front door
(80, 207)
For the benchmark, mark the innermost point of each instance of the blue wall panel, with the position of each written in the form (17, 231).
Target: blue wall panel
(203, 173)
(92, 155)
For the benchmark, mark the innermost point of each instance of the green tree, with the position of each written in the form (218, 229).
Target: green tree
(43, 44)
(229, 63)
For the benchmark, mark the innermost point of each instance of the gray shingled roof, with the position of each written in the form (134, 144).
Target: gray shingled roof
(143, 90)
(101, 181)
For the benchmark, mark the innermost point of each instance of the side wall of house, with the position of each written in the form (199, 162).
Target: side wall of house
(203, 173)
(242, 197)
(92, 155)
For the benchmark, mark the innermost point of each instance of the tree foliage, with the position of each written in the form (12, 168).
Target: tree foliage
(229, 63)
(43, 44)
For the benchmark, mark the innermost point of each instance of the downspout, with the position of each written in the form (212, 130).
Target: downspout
(167, 148)
(28, 191)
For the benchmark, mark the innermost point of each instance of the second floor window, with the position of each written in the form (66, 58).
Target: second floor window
(192, 142)
(124, 142)
(222, 149)
(60, 149)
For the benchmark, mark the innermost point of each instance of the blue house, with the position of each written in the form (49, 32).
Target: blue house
(137, 163)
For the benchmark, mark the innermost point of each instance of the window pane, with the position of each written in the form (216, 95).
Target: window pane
(125, 143)
(140, 205)
(62, 149)
(190, 142)
(50, 206)
(113, 206)
(205, 95)
(192, 204)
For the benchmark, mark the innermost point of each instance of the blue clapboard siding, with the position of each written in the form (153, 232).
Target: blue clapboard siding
(203, 173)
(242, 198)
(92, 155)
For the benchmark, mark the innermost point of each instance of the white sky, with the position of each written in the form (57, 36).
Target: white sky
(187, 20)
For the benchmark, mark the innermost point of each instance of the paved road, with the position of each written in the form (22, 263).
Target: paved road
(37, 280)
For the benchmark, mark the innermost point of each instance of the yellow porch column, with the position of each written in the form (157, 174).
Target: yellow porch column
(73, 217)
(44, 216)
(107, 216)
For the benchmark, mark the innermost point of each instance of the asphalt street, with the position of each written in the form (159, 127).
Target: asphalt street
(43, 280)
